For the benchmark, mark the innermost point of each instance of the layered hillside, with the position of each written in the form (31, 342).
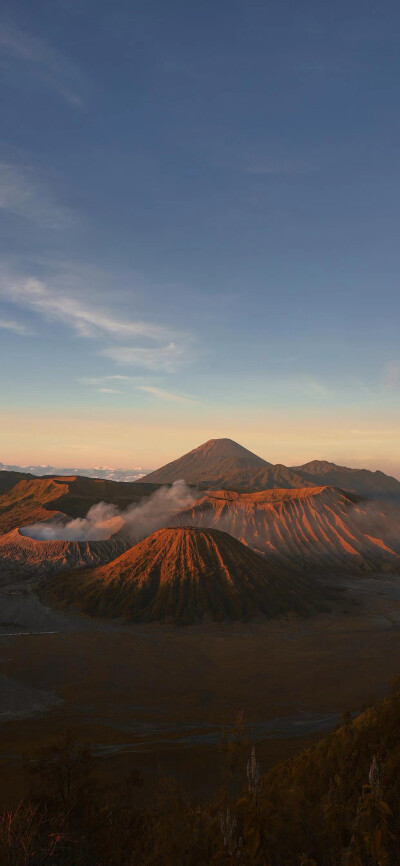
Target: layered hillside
(321, 527)
(223, 464)
(22, 557)
(33, 499)
(185, 575)
(30, 500)
(51, 501)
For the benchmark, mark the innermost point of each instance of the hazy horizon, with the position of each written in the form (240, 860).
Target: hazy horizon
(154, 464)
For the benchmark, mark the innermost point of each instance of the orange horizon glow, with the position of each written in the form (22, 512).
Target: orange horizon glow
(148, 442)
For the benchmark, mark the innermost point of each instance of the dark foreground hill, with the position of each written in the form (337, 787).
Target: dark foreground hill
(339, 801)
(185, 575)
(336, 804)
(223, 464)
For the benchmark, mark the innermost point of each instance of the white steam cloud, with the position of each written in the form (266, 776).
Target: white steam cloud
(103, 519)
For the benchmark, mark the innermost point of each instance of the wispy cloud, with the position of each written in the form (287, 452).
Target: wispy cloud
(166, 395)
(40, 59)
(146, 344)
(86, 321)
(23, 193)
(119, 377)
(103, 385)
(15, 327)
(102, 380)
(163, 357)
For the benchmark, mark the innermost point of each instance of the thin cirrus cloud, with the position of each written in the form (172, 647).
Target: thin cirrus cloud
(102, 380)
(38, 59)
(86, 321)
(24, 194)
(164, 357)
(103, 385)
(151, 346)
(166, 395)
(16, 327)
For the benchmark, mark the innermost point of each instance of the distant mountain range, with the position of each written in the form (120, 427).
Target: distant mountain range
(223, 464)
(108, 473)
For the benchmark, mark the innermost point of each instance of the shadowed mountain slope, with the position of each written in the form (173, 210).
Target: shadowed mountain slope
(223, 464)
(186, 575)
(22, 557)
(360, 481)
(30, 500)
(9, 478)
(36, 499)
(320, 527)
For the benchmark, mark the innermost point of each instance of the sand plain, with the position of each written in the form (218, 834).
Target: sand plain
(157, 698)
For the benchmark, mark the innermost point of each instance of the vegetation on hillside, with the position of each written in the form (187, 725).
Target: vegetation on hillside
(334, 804)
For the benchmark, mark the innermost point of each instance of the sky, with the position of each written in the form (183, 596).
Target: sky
(199, 218)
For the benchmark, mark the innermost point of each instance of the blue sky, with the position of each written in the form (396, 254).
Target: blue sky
(199, 210)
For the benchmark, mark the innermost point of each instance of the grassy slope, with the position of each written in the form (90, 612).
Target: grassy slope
(322, 802)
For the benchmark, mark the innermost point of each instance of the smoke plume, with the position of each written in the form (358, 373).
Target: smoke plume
(103, 519)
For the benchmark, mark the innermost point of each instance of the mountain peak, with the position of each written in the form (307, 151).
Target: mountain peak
(319, 467)
(187, 574)
(215, 462)
(227, 448)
